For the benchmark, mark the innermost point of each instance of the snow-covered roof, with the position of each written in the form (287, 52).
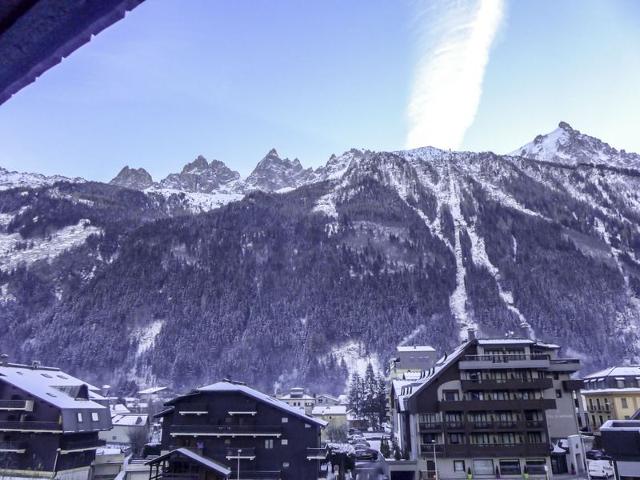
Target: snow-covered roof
(119, 408)
(50, 385)
(329, 410)
(289, 396)
(241, 388)
(151, 390)
(631, 370)
(411, 375)
(129, 419)
(415, 348)
(505, 341)
(204, 461)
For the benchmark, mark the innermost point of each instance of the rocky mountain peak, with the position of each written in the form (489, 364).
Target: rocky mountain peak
(568, 146)
(201, 176)
(134, 178)
(275, 173)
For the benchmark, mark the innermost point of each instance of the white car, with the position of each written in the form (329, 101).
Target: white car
(601, 469)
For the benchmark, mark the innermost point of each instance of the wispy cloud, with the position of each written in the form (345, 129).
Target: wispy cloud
(455, 41)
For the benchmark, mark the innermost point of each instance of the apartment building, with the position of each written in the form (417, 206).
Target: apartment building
(240, 429)
(611, 394)
(49, 423)
(490, 407)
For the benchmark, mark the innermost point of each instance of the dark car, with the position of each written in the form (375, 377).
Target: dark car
(371, 465)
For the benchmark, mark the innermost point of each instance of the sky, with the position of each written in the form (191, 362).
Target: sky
(232, 79)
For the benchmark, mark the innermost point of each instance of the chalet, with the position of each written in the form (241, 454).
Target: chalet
(250, 433)
(49, 422)
(491, 407)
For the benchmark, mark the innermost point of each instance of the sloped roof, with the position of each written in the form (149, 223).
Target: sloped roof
(151, 390)
(130, 419)
(241, 388)
(631, 370)
(202, 460)
(49, 384)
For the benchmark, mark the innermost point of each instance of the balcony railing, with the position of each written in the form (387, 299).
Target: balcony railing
(232, 453)
(500, 358)
(504, 361)
(227, 430)
(430, 425)
(497, 449)
(257, 474)
(13, 447)
(488, 405)
(507, 384)
(471, 424)
(24, 405)
(30, 426)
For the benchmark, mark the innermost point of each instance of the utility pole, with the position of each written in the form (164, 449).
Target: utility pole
(238, 471)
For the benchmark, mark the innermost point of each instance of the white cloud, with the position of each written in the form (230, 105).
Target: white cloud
(455, 41)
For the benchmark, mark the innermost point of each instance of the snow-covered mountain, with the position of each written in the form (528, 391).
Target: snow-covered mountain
(10, 179)
(362, 252)
(570, 147)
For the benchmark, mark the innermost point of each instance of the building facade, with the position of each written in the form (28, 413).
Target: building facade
(245, 430)
(620, 440)
(49, 423)
(491, 407)
(611, 394)
(299, 399)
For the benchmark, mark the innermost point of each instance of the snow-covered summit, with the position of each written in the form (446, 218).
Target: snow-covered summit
(201, 176)
(569, 146)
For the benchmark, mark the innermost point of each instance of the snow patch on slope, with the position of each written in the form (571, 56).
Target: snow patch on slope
(147, 336)
(15, 250)
(356, 358)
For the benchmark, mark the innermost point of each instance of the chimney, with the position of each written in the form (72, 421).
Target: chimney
(3, 358)
(471, 334)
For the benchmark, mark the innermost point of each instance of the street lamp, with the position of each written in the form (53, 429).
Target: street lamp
(435, 460)
(238, 472)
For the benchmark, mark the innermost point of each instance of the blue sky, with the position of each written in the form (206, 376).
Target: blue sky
(231, 79)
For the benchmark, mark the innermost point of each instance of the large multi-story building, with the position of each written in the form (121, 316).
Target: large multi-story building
(49, 423)
(492, 406)
(299, 399)
(236, 426)
(611, 394)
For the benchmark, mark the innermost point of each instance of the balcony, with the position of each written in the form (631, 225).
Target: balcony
(30, 426)
(194, 409)
(488, 405)
(430, 426)
(495, 449)
(599, 408)
(17, 405)
(80, 445)
(13, 447)
(230, 453)
(507, 384)
(257, 474)
(493, 362)
(564, 365)
(316, 453)
(225, 430)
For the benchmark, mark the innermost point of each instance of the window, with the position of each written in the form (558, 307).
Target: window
(558, 393)
(624, 403)
(483, 467)
(285, 464)
(458, 466)
(94, 416)
(536, 467)
(450, 395)
(510, 467)
(268, 443)
(456, 438)
(306, 425)
(79, 417)
(285, 441)
(285, 419)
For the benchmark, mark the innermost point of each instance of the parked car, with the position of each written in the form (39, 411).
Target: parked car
(371, 465)
(601, 469)
(594, 454)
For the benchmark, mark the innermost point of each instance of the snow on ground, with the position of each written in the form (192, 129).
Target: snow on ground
(197, 201)
(147, 336)
(326, 205)
(15, 250)
(356, 359)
